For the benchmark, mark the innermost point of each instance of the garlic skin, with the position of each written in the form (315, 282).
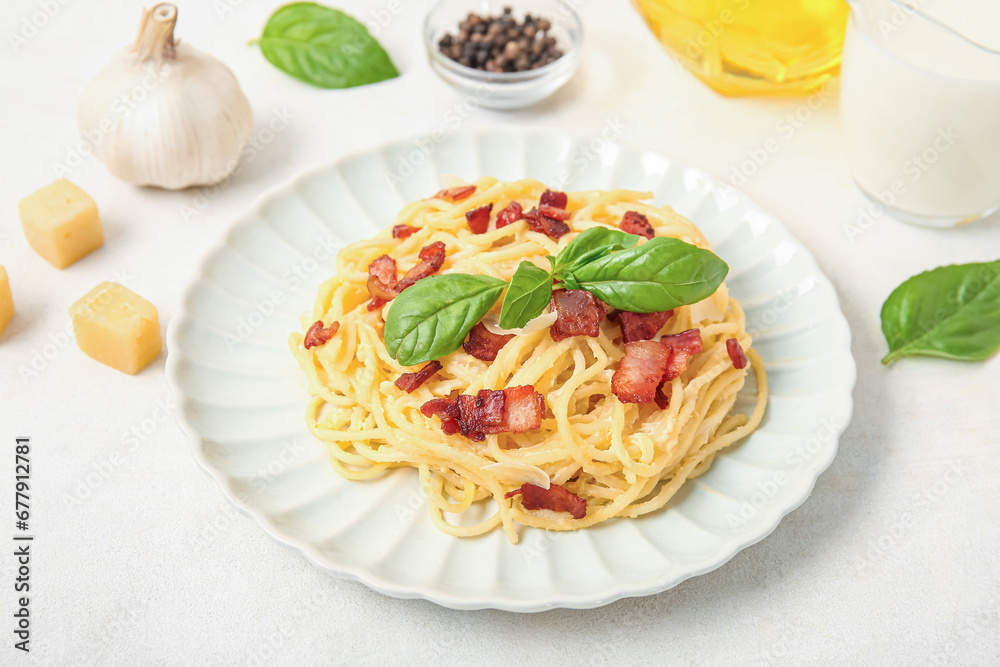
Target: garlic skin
(163, 113)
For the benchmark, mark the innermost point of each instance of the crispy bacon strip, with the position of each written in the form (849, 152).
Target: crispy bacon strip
(640, 371)
(408, 382)
(636, 223)
(455, 194)
(523, 411)
(556, 199)
(736, 353)
(682, 347)
(403, 231)
(480, 412)
(382, 281)
(545, 225)
(491, 411)
(578, 313)
(554, 213)
(431, 260)
(479, 218)
(555, 498)
(447, 411)
(484, 344)
(642, 326)
(511, 214)
(317, 334)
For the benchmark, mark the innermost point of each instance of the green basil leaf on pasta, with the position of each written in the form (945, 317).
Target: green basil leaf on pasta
(951, 312)
(661, 274)
(529, 292)
(589, 245)
(431, 318)
(324, 47)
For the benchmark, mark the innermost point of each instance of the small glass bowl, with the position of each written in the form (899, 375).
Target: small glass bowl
(505, 90)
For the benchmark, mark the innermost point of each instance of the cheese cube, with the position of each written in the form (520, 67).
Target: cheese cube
(6, 300)
(117, 327)
(60, 222)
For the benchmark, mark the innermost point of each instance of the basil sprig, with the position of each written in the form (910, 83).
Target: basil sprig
(324, 47)
(661, 274)
(951, 312)
(431, 318)
(529, 292)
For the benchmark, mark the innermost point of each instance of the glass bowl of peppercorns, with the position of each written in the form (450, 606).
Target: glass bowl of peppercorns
(503, 55)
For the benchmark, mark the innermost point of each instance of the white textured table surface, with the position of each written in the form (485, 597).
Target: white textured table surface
(894, 559)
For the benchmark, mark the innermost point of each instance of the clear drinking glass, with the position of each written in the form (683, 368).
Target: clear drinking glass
(920, 108)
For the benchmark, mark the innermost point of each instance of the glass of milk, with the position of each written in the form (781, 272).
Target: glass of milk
(920, 107)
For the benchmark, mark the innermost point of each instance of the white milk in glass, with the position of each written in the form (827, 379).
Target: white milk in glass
(920, 106)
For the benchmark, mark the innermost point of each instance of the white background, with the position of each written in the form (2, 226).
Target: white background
(894, 559)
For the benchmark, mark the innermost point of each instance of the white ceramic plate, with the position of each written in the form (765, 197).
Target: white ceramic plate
(244, 397)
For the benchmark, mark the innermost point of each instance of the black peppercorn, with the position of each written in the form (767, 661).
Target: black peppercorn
(502, 43)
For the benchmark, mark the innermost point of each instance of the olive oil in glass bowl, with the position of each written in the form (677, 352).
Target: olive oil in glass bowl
(752, 47)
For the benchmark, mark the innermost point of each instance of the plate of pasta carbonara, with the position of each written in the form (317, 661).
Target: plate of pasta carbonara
(497, 374)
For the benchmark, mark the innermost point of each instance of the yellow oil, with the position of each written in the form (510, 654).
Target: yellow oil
(752, 47)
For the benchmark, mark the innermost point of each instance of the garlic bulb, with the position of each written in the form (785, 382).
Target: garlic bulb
(163, 113)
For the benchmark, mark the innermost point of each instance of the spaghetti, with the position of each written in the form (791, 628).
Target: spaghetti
(623, 459)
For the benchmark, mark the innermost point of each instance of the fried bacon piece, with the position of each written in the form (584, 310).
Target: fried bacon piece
(578, 313)
(482, 413)
(555, 498)
(484, 344)
(554, 213)
(682, 347)
(491, 411)
(408, 382)
(431, 260)
(523, 410)
(511, 214)
(382, 281)
(455, 194)
(640, 371)
(317, 334)
(636, 223)
(403, 231)
(556, 199)
(642, 326)
(447, 411)
(736, 353)
(545, 225)
(479, 218)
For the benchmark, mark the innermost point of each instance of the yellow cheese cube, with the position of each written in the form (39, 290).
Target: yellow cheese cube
(60, 222)
(6, 300)
(117, 327)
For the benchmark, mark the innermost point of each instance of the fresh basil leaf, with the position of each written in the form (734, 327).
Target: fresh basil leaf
(589, 245)
(324, 47)
(430, 319)
(951, 312)
(529, 292)
(661, 274)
